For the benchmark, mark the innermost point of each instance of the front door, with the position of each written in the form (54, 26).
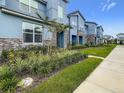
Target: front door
(74, 40)
(95, 41)
(121, 42)
(60, 40)
(80, 40)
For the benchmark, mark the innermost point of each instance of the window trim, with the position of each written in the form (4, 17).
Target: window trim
(32, 43)
(29, 5)
(60, 12)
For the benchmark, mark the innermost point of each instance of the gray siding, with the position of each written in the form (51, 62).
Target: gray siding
(78, 27)
(15, 5)
(2, 2)
(52, 10)
(10, 26)
(100, 32)
(92, 29)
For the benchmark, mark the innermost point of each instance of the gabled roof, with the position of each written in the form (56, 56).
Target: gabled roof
(101, 28)
(120, 34)
(108, 37)
(47, 1)
(66, 1)
(75, 12)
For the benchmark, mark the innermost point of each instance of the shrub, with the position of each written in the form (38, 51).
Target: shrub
(36, 49)
(9, 84)
(4, 55)
(23, 55)
(8, 79)
(11, 55)
(45, 64)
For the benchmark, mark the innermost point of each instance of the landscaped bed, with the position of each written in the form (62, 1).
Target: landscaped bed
(21, 64)
(68, 79)
(66, 68)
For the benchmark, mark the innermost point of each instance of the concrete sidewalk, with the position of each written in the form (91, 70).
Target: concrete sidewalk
(108, 77)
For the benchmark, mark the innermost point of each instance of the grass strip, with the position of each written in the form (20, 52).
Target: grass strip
(101, 51)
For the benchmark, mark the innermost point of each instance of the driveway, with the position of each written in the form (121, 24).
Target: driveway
(108, 77)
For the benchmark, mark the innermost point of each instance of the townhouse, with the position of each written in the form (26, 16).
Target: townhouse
(91, 28)
(22, 23)
(108, 39)
(100, 32)
(120, 38)
(77, 32)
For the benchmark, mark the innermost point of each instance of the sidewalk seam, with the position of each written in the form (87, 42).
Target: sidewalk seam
(100, 86)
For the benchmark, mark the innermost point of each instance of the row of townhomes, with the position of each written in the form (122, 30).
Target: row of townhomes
(21, 25)
(120, 38)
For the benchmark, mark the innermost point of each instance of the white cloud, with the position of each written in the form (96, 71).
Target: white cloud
(104, 7)
(111, 5)
(108, 4)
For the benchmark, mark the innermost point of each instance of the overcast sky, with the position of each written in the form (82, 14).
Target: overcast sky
(108, 13)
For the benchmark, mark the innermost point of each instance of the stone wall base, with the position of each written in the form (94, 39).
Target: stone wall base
(8, 43)
(91, 39)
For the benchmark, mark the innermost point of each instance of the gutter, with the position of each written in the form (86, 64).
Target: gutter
(69, 30)
(77, 29)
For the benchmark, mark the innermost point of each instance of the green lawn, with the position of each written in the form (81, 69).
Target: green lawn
(68, 79)
(102, 51)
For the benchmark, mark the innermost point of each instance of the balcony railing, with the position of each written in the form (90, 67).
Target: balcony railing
(31, 10)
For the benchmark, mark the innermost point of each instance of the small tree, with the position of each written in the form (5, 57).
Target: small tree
(54, 27)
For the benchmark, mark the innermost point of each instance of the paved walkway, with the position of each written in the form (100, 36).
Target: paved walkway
(108, 76)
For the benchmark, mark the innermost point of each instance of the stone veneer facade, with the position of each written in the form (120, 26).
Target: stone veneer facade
(7, 43)
(91, 39)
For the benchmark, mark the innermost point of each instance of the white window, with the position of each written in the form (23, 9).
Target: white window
(28, 5)
(27, 32)
(38, 33)
(60, 12)
(32, 33)
(74, 23)
(33, 4)
(26, 2)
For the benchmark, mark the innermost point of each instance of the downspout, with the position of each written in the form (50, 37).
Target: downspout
(69, 29)
(77, 29)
